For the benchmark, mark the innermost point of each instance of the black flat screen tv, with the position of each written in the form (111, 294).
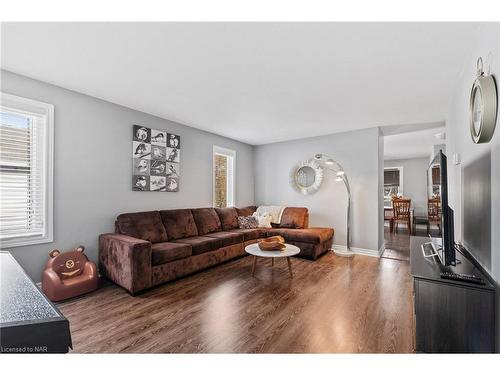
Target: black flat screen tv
(440, 215)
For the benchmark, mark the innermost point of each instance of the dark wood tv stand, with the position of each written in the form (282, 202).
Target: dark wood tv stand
(29, 322)
(450, 316)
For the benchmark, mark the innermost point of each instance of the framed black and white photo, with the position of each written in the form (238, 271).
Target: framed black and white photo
(172, 169)
(158, 167)
(158, 153)
(173, 155)
(156, 160)
(141, 150)
(174, 141)
(172, 184)
(141, 167)
(140, 183)
(142, 134)
(158, 183)
(158, 138)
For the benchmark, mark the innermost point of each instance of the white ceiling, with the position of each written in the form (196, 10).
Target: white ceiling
(254, 82)
(417, 144)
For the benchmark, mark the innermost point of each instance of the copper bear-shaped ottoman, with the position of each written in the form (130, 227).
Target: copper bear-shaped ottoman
(69, 274)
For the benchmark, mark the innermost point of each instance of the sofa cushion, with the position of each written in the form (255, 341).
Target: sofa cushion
(201, 244)
(179, 223)
(309, 235)
(294, 217)
(207, 220)
(246, 211)
(164, 252)
(228, 238)
(247, 222)
(146, 226)
(251, 234)
(264, 220)
(228, 217)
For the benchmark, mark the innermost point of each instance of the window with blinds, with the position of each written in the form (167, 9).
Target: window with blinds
(391, 177)
(393, 185)
(25, 171)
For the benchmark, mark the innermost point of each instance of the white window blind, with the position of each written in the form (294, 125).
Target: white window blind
(25, 171)
(393, 184)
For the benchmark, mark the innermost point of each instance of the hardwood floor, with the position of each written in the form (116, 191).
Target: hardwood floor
(397, 245)
(361, 304)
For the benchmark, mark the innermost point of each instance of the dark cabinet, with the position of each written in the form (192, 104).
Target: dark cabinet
(29, 322)
(451, 316)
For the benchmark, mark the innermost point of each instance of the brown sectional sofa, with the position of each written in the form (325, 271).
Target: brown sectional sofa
(151, 248)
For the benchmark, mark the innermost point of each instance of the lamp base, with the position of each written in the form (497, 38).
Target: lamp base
(344, 253)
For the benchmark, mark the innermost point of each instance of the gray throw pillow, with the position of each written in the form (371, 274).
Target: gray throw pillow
(247, 222)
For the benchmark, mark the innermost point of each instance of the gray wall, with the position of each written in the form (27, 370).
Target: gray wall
(473, 159)
(414, 181)
(381, 213)
(358, 152)
(93, 168)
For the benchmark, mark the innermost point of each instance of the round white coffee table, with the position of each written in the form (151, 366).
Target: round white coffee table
(287, 252)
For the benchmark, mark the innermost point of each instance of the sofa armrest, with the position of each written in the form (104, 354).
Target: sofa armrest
(50, 280)
(126, 261)
(90, 270)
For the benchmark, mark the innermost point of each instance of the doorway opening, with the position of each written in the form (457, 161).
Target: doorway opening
(407, 155)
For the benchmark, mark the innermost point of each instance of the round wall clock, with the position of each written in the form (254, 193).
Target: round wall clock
(483, 106)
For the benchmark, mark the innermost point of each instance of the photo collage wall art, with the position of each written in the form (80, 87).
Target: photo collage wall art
(156, 160)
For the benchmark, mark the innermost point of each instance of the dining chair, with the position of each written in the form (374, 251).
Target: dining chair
(434, 212)
(401, 213)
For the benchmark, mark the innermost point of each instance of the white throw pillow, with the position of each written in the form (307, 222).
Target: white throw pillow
(264, 219)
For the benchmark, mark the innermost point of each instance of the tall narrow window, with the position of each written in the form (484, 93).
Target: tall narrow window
(393, 184)
(26, 142)
(224, 165)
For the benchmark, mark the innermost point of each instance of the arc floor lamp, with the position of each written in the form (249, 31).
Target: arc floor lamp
(327, 162)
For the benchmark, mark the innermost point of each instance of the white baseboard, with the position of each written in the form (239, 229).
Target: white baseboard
(359, 250)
